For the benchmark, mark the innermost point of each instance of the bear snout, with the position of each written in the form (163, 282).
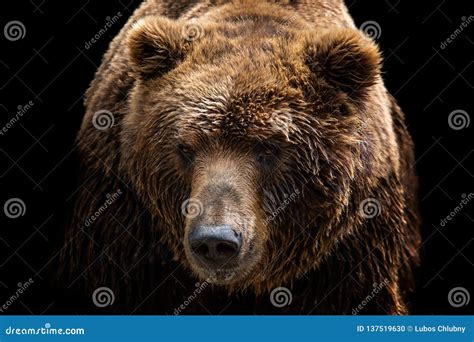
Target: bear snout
(215, 246)
(221, 241)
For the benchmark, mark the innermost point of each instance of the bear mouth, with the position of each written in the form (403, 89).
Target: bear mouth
(231, 273)
(221, 276)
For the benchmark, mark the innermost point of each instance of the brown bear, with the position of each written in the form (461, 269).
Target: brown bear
(244, 157)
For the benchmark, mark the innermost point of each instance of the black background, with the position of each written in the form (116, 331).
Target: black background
(52, 68)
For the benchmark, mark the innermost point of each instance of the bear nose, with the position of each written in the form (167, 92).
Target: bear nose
(215, 245)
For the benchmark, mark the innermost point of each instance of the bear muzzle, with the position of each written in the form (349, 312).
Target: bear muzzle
(215, 246)
(219, 239)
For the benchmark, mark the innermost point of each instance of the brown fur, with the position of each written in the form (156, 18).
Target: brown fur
(294, 83)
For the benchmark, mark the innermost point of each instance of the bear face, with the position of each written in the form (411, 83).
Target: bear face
(245, 138)
(227, 132)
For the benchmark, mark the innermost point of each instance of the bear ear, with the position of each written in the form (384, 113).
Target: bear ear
(345, 59)
(155, 46)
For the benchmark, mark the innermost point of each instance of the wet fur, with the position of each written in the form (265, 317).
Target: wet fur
(346, 141)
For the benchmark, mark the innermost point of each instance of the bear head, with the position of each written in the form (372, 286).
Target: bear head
(246, 141)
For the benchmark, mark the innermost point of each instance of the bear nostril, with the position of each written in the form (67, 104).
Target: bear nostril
(226, 249)
(201, 249)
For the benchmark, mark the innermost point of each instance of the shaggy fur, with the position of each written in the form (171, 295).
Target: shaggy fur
(274, 116)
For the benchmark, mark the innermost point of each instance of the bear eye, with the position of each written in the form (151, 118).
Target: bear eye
(266, 154)
(186, 153)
